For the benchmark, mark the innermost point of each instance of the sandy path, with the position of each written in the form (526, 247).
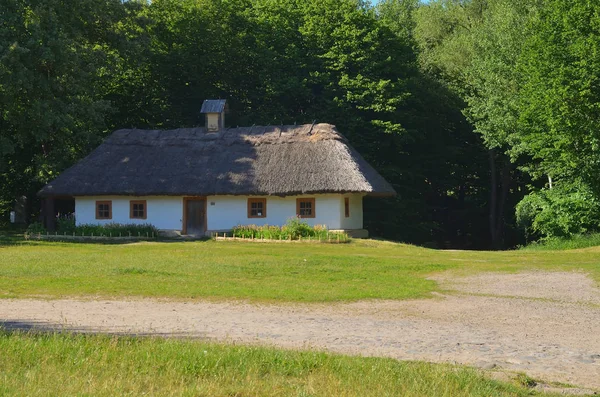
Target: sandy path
(545, 324)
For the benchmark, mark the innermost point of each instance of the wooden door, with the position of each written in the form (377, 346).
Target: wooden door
(195, 219)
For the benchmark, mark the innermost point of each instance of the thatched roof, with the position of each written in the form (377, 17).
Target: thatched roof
(282, 161)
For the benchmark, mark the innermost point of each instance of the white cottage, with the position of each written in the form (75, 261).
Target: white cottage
(197, 181)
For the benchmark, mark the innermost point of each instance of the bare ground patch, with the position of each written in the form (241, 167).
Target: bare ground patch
(545, 324)
(557, 286)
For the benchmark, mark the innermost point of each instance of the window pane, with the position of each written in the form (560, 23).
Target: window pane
(256, 208)
(138, 210)
(103, 211)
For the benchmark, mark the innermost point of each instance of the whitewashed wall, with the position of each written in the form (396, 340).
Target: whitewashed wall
(163, 212)
(225, 212)
(355, 220)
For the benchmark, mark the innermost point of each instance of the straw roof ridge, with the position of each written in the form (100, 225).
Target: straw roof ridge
(258, 160)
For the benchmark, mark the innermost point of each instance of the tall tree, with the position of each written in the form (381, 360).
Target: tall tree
(560, 98)
(474, 46)
(51, 110)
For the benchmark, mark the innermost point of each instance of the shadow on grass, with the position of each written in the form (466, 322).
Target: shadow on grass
(12, 238)
(32, 327)
(109, 241)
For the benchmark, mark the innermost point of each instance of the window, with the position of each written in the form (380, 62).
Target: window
(257, 208)
(346, 207)
(137, 209)
(103, 209)
(305, 207)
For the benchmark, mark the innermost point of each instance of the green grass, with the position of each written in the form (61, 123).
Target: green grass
(65, 365)
(254, 271)
(575, 242)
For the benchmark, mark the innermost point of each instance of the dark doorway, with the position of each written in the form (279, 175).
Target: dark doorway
(54, 208)
(195, 217)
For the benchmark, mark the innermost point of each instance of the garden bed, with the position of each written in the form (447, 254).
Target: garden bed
(81, 238)
(295, 229)
(334, 238)
(68, 231)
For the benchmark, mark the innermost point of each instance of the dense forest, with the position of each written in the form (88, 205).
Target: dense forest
(483, 114)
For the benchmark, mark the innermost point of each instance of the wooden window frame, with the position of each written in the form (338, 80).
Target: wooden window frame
(257, 200)
(313, 206)
(104, 202)
(347, 207)
(134, 202)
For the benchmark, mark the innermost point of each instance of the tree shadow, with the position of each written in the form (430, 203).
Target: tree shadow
(33, 327)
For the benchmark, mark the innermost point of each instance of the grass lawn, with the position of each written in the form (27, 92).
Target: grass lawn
(562, 243)
(254, 271)
(60, 364)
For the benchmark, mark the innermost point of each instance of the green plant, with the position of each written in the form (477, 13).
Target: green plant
(35, 228)
(294, 229)
(65, 224)
(565, 243)
(564, 211)
(525, 380)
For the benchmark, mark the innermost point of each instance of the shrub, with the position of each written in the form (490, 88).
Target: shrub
(35, 228)
(115, 230)
(294, 229)
(564, 211)
(66, 223)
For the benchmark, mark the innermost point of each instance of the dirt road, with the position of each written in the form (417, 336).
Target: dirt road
(545, 324)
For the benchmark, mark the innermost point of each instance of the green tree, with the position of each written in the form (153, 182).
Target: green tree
(560, 100)
(51, 107)
(474, 47)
